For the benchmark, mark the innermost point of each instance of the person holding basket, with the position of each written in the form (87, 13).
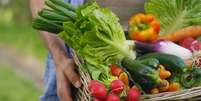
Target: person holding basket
(60, 71)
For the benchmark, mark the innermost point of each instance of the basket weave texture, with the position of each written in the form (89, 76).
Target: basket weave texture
(82, 94)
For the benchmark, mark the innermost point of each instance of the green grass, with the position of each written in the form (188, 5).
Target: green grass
(14, 87)
(23, 38)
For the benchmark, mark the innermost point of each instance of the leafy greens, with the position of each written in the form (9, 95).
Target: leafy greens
(175, 14)
(97, 37)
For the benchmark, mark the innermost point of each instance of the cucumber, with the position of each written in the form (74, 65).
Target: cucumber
(171, 62)
(145, 76)
(152, 62)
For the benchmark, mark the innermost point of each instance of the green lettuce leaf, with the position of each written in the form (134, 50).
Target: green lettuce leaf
(175, 14)
(97, 37)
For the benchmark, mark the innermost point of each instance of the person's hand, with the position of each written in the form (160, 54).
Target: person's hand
(66, 76)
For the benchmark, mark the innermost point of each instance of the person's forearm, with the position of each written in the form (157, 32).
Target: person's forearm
(54, 44)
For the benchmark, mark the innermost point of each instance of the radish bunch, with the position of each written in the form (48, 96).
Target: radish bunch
(101, 93)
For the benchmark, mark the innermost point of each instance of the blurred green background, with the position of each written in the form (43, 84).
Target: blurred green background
(22, 53)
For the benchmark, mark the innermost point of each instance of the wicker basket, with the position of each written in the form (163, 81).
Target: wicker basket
(83, 94)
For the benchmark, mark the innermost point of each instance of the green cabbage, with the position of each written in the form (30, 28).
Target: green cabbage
(175, 14)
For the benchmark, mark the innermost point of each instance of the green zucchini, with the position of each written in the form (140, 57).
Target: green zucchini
(152, 62)
(145, 76)
(171, 62)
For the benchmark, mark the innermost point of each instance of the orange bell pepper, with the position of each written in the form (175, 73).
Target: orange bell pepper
(144, 27)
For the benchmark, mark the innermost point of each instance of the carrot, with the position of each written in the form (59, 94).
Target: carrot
(193, 31)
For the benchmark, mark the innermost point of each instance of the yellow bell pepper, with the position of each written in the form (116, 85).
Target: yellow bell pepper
(144, 27)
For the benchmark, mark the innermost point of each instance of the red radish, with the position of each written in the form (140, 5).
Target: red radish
(115, 70)
(94, 82)
(196, 46)
(135, 87)
(117, 86)
(187, 42)
(133, 95)
(95, 99)
(97, 89)
(113, 97)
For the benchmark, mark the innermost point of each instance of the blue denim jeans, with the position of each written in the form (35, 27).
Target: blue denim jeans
(50, 90)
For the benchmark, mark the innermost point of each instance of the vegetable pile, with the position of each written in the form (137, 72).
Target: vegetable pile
(117, 72)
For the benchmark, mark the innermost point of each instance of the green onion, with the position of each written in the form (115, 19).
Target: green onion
(51, 15)
(41, 23)
(61, 9)
(65, 5)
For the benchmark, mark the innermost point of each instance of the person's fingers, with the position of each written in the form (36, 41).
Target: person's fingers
(71, 74)
(63, 87)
